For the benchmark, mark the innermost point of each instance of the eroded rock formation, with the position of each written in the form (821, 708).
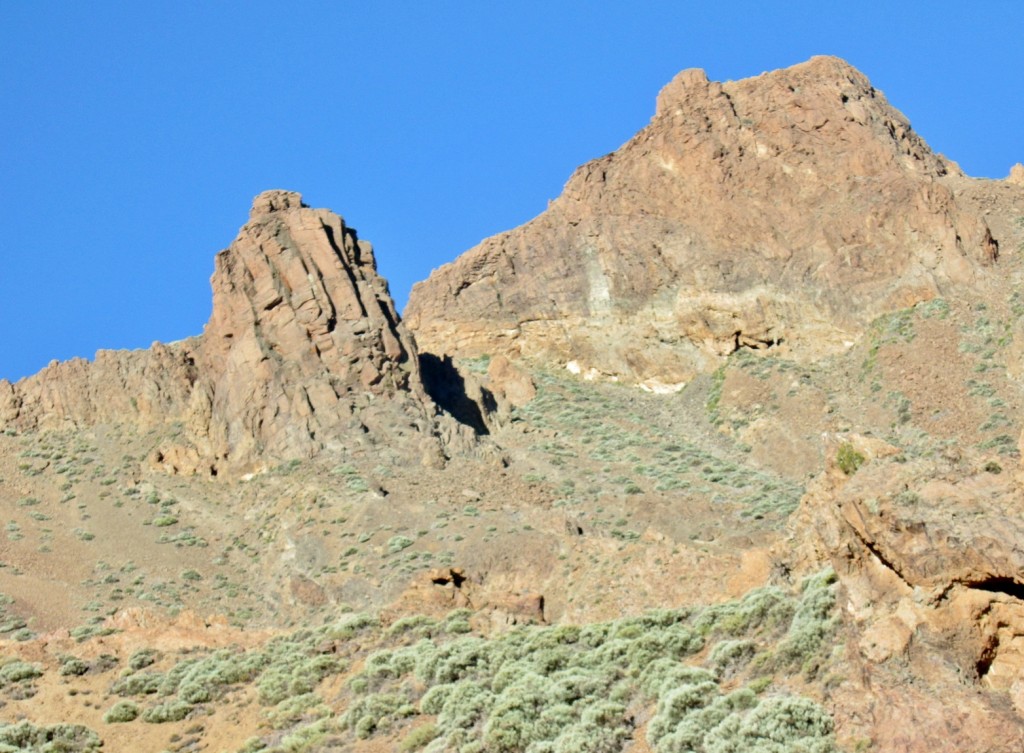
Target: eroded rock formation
(785, 210)
(928, 554)
(303, 349)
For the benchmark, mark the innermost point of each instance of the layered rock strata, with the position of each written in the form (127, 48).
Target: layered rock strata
(786, 210)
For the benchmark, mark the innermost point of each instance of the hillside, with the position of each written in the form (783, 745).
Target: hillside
(722, 452)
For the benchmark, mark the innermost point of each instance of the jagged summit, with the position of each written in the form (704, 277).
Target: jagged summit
(785, 210)
(303, 347)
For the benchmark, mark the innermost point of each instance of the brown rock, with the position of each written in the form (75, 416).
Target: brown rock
(929, 554)
(1017, 175)
(303, 347)
(786, 210)
(510, 383)
(494, 607)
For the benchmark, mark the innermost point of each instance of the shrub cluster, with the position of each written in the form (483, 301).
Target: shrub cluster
(286, 671)
(55, 738)
(568, 688)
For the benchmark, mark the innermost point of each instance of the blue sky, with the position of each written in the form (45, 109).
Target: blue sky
(133, 136)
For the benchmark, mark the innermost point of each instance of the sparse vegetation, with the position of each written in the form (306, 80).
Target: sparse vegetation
(848, 459)
(54, 738)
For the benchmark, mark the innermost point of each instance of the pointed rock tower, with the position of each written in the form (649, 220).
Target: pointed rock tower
(303, 349)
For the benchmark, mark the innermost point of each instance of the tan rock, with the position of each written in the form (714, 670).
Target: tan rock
(303, 338)
(509, 382)
(1017, 175)
(782, 211)
(929, 555)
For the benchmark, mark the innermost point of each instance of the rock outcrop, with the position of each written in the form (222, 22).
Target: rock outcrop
(929, 555)
(303, 349)
(786, 210)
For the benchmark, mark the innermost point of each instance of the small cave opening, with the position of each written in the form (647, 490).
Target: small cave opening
(740, 340)
(987, 657)
(1000, 585)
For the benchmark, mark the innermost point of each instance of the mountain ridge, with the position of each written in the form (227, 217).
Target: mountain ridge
(746, 214)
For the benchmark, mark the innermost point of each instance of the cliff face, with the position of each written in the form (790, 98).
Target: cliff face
(303, 348)
(928, 552)
(786, 210)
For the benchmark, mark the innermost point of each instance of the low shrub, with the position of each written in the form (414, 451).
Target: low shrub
(55, 738)
(419, 737)
(18, 671)
(172, 711)
(848, 459)
(122, 711)
(71, 666)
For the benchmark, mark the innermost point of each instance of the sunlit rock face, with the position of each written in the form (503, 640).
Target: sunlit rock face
(303, 348)
(786, 210)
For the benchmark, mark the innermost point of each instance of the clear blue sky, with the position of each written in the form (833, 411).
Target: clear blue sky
(133, 135)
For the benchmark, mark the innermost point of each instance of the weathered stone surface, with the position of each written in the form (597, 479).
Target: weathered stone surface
(509, 383)
(929, 554)
(786, 210)
(303, 349)
(1017, 174)
(496, 609)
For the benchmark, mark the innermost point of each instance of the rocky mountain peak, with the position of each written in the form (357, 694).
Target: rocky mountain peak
(275, 200)
(303, 347)
(785, 210)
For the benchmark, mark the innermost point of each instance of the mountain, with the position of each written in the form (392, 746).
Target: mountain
(303, 350)
(783, 211)
(722, 452)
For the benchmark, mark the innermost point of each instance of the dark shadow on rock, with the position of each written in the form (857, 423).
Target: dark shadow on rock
(466, 403)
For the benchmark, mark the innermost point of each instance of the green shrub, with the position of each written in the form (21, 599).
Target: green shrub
(142, 658)
(419, 737)
(56, 738)
(811, 624)
(71, 666)
(398, 543)
(122, 711)
(376, 712)
(729, 656)
(18, 671)
(143, 683)
(293, 710)
(171, 711)
(675, 705)
(465, 705)
(782, 724)
(848, 459)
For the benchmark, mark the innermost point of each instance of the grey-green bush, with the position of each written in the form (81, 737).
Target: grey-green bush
(122, 711)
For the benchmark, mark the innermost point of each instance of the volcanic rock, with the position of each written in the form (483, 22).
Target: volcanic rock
(303, 350)
(782, 211)
(928, 553)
